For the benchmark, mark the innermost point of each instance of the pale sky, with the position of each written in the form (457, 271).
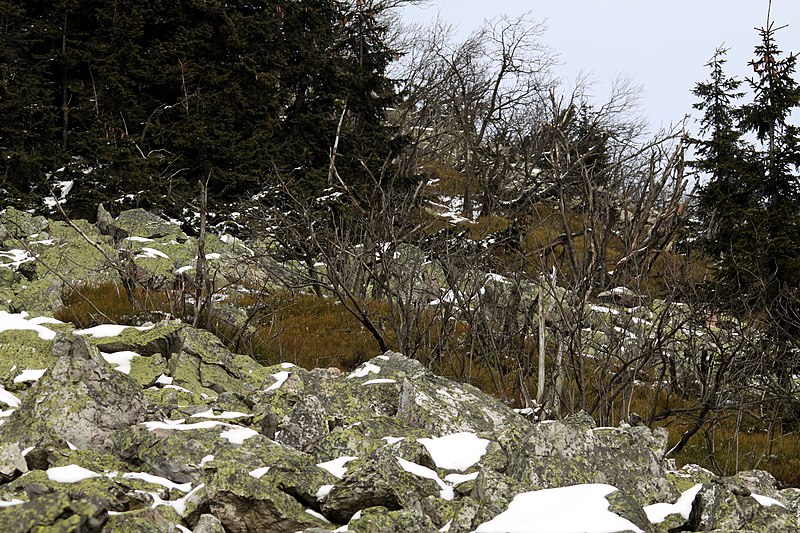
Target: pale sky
(661, 45)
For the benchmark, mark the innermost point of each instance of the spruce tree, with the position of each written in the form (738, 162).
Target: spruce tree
(750, 205)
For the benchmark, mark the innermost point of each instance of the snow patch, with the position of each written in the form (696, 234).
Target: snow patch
(107, 330)
(280, 379)
(658, 512)
(458, 451)
(423, 471)
(18, 321)
(258, 472)
(120, 360)
(573, 509)
(238, 435)
(364, 370)
(70, 474)
(30, 375)
(337, 466)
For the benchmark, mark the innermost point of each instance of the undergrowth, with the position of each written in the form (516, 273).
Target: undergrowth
(314, 332)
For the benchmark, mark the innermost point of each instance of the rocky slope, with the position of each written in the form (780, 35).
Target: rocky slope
(161, 428)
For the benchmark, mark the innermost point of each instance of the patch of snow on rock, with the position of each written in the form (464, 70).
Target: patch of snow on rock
(424, 472)
(19, 321)
(658, 512)
(573, 509)
(30, 375)
(70, 474)
(120, 360)
(238, 435)
(280, 379)
(107, 330)
(8, 398)
(337, 467)
(258, 472)
(364, 370)
(458, 451)
(377, 381)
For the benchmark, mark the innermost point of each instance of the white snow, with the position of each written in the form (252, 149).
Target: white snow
(280, 379)
(337, 466)
(238, 435)
(120, 360)
(138, 239)
(766, 501)
(288, 365)
(225, 415)
(364, 370)
(5, 413)
(158, 480)
(206, 459)
(258, 472)
(658, 512)
(180, 504)
(423, 471)
(392, 440)
(383, 357)
(573, 509)
(30, 375)
(11, 502)
(377, 381)
(213, 256)
(18, 321)
(44, 320)
(164, 380)
(149, 253)
(107, 330)
(458, 451)
(179, 425)
(315, 514)
(458, 479)
(70, 474)
(17, 257)
(323, 491)
(604, 309)
(175, 387)
(8, 398)
(183, 269)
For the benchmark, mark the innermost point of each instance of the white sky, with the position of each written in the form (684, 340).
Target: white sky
(660, 45)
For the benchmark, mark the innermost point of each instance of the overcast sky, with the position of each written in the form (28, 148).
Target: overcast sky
(661, 45)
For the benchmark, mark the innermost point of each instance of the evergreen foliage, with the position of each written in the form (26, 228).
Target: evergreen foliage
(750, 206)
(136, 101)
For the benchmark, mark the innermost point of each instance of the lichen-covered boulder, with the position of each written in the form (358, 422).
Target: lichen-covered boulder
(244, 502)
(143, 224)
(442, 406)
(727, 506)
(161, 519)
(54, 512)
(19, 224)
(380, 479)
(557, 454)
(81, 400)
(375, 519)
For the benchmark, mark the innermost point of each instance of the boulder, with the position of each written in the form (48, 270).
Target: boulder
(80, 401)
(143, 224)
(380, 479)
(381, 519)
(54, 512)
(561, 453)
(728, 506)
